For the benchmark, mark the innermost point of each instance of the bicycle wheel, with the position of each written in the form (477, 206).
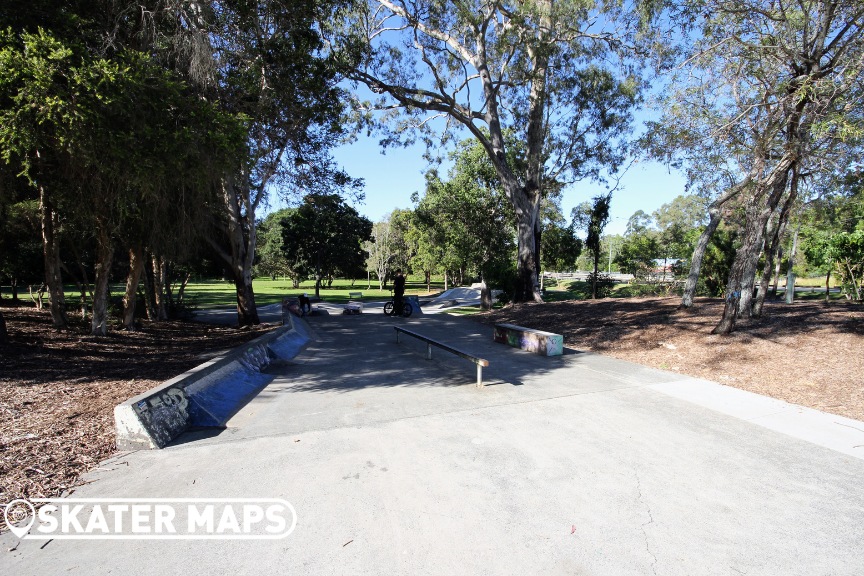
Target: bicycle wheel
(388, 309)
(407, 310)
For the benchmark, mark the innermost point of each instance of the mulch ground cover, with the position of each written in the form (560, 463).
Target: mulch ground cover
(806, 353)
(58, 391)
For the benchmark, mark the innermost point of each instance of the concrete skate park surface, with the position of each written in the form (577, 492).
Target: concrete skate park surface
(577, 464)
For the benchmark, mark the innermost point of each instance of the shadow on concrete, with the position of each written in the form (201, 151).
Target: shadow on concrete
(359, 352)
(196, 434)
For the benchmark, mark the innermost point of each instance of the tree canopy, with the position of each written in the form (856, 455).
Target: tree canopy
(540, 70)
(324, 237)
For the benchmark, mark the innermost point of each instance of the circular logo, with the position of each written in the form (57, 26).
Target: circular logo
(19, 511)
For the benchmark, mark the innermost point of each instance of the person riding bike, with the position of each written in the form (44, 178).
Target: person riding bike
(398, 292)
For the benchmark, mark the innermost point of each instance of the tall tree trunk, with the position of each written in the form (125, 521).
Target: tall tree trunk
(149, 293)
(828, 287)
(318, 273)
(51, 255)
(130, 298)
(777, 261)
(761, 204)
(485, 295)
(714, 212)
(748, 279)
(790, 274)
(37, 300)
(773, 238)
(169, 288)
(594, 277)
(14, 290)
(182, 289)
(83, 284)
(159, 288)
(105, 252)
(743, 266)
(527, 286)
(538, 237)
(240, 229)
(854, 281)
(82, 299)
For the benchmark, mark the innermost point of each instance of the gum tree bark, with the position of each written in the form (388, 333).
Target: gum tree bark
(714, 213)
(760, 206)
(748, 279)
(159, 288)
(149, 297)
(568, 122)
(828, 287)
(51, 255)
(130, 299)
(773, 250)
(790, 274)
(240, 230)
(105, 253)
(777, 261)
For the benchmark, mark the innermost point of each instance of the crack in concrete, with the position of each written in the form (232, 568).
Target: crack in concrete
(644, 524)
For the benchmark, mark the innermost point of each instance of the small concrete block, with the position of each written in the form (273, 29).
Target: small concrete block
(536, 341)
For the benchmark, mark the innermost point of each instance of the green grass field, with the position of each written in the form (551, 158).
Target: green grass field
(216, 293)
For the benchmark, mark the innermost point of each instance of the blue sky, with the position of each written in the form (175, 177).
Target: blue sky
(391, 179)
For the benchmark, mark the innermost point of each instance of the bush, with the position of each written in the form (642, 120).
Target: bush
(648, 290)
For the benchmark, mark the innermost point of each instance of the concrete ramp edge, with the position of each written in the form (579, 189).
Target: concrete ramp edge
(209, 394)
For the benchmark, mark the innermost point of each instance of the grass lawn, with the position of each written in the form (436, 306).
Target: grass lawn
(216, 293)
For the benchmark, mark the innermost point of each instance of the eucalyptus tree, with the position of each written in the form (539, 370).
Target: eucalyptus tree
(539, 69)
(469, 218)
(379, 248)
(272, 69)
(768, 92)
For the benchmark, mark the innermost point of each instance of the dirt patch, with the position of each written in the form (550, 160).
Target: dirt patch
(805, 353)
(58, 391)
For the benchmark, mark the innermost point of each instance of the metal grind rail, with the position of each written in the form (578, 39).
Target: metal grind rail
(430, 342)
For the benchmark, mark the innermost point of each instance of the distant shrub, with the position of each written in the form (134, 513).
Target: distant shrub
(648, 290)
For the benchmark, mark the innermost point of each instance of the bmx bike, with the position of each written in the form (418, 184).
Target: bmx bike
(389, 308)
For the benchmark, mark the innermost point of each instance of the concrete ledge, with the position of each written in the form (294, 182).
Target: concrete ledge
(537, 341)
(207, 395)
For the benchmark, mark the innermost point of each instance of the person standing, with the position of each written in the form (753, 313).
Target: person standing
(398, 293)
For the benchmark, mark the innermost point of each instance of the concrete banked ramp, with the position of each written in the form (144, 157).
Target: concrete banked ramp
(209, 394)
